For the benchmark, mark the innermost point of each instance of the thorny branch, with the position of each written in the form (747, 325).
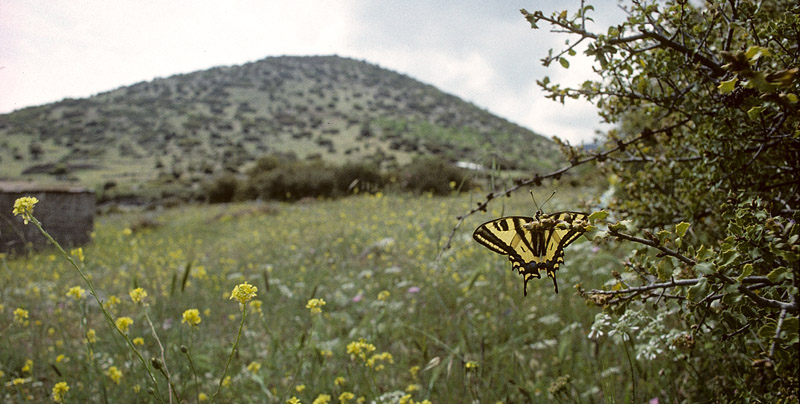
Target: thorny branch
(537, 179)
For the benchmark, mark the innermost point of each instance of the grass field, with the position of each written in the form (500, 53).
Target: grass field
(456, 329)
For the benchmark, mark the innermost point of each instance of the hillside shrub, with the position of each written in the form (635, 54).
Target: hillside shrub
(222, 189)
(432, 174)
(358, 177)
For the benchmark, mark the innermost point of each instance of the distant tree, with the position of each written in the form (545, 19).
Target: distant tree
(703, 164)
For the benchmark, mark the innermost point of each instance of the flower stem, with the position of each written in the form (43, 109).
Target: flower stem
(233, 351)
(106, 314)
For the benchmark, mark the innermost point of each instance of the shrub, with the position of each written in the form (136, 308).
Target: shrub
(361, 177)
(222, 189)
(431, 174)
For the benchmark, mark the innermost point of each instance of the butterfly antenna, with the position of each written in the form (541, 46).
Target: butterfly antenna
(538, 209)
(548, 199)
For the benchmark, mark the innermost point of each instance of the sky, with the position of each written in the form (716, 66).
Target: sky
(482, 51)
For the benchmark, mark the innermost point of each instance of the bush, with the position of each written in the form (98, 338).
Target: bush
(431, 174)
(294, 181)
(222, 189)
(358, 177)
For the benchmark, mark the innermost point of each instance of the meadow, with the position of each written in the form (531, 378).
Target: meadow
(400, 323)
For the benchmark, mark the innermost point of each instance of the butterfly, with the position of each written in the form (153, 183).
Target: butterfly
(533, 243)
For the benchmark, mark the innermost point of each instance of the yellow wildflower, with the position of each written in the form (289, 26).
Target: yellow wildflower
(414, 371)
(17, 381)
(78, 253)
(346, 396)
(383, 295)
(124, 323)
(191, 317)
(406, 399)
(76, 292)
(62, 358)
(202, 397)
(471, 365)
(299, 388)
(253, 367)
(322, 399)
(91, 336)
(138, 341)
(293, 400)
(226, 382)
(340, 381)
(24, 207)
(360, 348)
(112, 302)
(315, 305)
(244, 292)
(255, 306)
(373, 360)
(412, 388)
(115, 374)
(28, 368)
(59, 391)
(138, 295)
(20, 315)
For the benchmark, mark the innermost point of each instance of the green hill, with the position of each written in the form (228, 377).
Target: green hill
(191, 126)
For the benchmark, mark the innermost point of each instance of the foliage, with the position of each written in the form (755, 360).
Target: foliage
(222, 189)
(279, 178)
(433, 175)
(703, 166)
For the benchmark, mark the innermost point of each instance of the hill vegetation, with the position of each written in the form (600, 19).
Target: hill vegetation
(187, 128)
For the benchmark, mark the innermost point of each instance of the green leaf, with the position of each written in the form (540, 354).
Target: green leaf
(754, 112)
(727, 257)
(727, 86)
(789, 330)
(664, 269)
(756, 52)
(564, 62)
(704, 268)
(767, 331)
(698, 291)
(777, 274)
(681, 228)
(747, 270)
(597, 216)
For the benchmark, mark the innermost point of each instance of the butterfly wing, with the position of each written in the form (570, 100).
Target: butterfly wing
(531, 244)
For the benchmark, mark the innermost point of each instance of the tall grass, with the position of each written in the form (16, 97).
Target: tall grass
(453, 330)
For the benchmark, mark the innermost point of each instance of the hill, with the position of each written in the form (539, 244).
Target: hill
(194, 125)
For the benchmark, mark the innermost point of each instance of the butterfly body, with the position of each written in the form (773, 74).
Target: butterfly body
(532, 244)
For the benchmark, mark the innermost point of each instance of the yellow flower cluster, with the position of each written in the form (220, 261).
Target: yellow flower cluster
(115, 374)
(315, 305)
(191, 317)
(322, 399)
(138, 295)
(76, 292)
(253, 367)
(20, 316)
(24, 207)
(124, 323)
(383, 295)
(243, 292)
(375, 360)
(360, 349)
(60, 391)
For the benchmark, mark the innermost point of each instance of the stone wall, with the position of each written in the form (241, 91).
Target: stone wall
(66, 212)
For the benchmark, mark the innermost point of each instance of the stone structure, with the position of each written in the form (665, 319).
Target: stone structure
(66, 212)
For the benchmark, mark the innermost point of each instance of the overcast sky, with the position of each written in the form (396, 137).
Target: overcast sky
(482, 51)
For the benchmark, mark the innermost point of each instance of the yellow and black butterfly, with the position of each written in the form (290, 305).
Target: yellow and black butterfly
(533, 243)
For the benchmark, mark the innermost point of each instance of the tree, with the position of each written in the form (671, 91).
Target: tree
(704, 162)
